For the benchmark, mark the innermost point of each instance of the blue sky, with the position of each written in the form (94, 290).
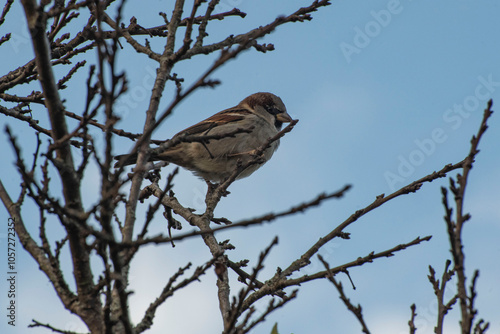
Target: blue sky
(386, 92)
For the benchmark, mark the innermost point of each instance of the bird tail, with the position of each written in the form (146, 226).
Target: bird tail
(125, 159)
(130, 159)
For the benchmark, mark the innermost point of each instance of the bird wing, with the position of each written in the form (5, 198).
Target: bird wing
(220, 119)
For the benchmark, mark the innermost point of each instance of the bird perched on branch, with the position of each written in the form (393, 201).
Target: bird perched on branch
(213, 148)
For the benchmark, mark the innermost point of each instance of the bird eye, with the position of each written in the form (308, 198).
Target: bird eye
(273, 110)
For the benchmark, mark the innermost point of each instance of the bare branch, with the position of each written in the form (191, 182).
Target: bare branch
(36, 323)
(189, 216)
(439, 290)
(237, 306)
(381, 199)
(169, 290)
(14, 112)
(6, 9)
(53, 273)
(455, 227)
(358, 262)
(356, 310)
(411, 323)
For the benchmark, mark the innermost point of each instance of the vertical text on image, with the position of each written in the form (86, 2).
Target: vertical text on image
(11, 272)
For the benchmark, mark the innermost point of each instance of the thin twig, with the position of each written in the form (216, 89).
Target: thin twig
(455, 227)
(36, 323)
(356, 310)
(411, 322)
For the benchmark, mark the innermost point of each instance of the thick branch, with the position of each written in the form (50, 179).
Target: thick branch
(36, 19)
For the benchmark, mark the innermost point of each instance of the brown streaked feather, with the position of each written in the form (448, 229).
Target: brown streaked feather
(223, 117)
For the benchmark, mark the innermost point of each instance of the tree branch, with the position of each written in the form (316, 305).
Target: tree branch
(356, 310)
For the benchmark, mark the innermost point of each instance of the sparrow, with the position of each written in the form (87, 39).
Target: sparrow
(242, 130)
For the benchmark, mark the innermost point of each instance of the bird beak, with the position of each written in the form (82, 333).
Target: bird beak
(284, 117)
